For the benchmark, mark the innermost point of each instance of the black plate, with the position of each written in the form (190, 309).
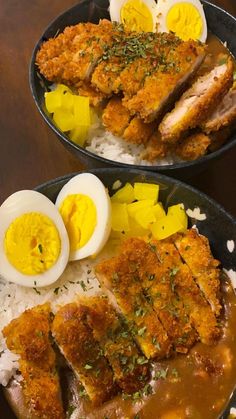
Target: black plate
(219, 226)
(219, 22)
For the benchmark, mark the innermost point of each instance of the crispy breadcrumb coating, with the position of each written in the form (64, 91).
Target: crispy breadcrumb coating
(28, 336)
(76, 342)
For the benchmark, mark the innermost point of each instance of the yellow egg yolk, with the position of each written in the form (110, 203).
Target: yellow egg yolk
(80, 218)
(136, 16)
(32, 243)
(185, 20)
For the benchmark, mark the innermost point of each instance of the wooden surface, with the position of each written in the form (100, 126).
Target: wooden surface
(30, 153)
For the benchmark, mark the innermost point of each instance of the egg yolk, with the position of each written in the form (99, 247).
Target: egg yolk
(185, 20)
(136, 16)
(32, 243)
(80, 218)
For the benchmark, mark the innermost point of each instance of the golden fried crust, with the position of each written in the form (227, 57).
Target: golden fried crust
(131, 370)
(163, 84)
(138, 132)
(223, 116)
(155, 148)
(193, 147)
(119, 276)
(156, 276)
(197, 102)
(116, 117)
(105, 74)
(75, 340)
(96, 98)
(196, 252)
(132, 78)
(28, 336)
(199, 311)
(72, 55)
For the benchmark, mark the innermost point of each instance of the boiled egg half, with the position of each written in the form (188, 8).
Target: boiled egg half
(185, 18)
(135, 15)
(34, 245)
(85, 207)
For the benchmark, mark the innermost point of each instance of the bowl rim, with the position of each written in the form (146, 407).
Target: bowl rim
(158, 176)
(105, 161)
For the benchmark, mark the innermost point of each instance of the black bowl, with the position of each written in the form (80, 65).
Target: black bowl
(219, 226)
(219, 23)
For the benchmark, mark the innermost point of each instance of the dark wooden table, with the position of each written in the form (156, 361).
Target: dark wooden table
(30, 153)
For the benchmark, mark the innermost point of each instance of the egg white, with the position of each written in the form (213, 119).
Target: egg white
(116, 6)
(20, 203)
(89, 184)
(163, 7)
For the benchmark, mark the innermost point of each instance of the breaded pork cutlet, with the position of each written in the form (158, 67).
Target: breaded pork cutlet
(156, 47)
(76, 342)
(156, 280)
(198, 310)
(117, 119)
(73, 55)
(163, 86)
(130, 367)
(193, 147)
(125, 65)
(191, 109)
(195, 251)
(223, 115)
(118, 275)
(28, 336)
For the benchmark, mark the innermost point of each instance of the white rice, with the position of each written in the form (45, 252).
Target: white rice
(105, 144)
(78, 279)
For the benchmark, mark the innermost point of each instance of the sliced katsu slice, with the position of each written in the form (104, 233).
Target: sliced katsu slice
(116, 117)
(155, 148)
(118, 275)
(113, 61)
(191, 110)
(224, 114)
(152, 53)
(156, 280)
(130, 367)
(84, 88)
(199, 311)
(29, 336)
(76, 342)
(138, 132)
(55, 53)
(69, 58)
(193, 147)
(163, 86)
(195, 251)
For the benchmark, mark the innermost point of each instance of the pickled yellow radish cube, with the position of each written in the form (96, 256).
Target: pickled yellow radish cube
(64, 120)
(166, 227)
(135, 229)
(67, 101)
(146, 191)
(179, 212)
(145, 216)
(53, 101)
(159, 211)
(82, 110)
(79, 134)
(62, 88)
(119, 217)
(136, 206)
(124, 195)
